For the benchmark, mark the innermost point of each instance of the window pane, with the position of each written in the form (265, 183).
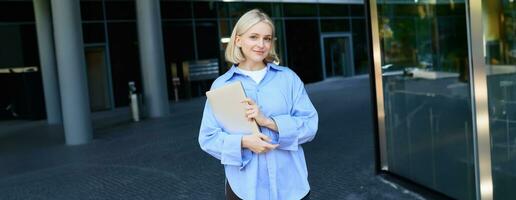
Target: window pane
(12, 46)
(300, 10)
(225, 28)
(334, 10)
(16, 12)
(207, 39)
(277, 10)
(205, 9)
(500, 47)
(93, 32)
(223, 9)
(335, 25)
(178, 40)
(120, 10)
(304, 50)
(24, 90)
(91, 10)
(280, 41)
(360, 48)
(176, 10)
(238, 9)
(357, 10)
(125, 59)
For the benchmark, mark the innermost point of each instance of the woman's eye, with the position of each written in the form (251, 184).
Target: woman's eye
(268, 39)
(253, 37)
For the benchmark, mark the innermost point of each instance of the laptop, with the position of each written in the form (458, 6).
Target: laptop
(229, 110)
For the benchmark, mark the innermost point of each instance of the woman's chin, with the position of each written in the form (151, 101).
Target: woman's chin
(257, 59)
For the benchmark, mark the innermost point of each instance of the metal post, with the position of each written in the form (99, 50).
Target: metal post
(152, 57)
(378, 81)
(72, 71)
(47, 61)
(479, 97)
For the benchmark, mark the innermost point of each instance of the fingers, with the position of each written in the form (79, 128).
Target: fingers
(270, 146)
(264, 137)
(265, 147)
(249, 101)
(259, 143)
(251, 107)
(251, 114)
(252, 111)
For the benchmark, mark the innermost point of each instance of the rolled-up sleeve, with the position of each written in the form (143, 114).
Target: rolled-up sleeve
(300, 125)
(221, 145)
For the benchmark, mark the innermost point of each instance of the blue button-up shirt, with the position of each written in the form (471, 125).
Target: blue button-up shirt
(277, 174)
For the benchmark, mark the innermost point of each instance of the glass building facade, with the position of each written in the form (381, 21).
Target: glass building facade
(317, 40)
(444, 78)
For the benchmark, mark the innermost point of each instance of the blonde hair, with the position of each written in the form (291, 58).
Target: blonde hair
(249, 19)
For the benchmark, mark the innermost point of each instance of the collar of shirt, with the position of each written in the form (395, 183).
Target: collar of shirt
(234, 70)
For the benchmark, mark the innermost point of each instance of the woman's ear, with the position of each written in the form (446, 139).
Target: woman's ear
(238, 41)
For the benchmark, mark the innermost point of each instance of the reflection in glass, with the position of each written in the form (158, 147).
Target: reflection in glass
(427, 97)
(500, 48)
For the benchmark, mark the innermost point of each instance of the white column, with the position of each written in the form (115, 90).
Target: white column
(72, 71)
(152, 59)
(47, 60)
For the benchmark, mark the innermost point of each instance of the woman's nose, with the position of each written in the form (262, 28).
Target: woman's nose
(261, 43)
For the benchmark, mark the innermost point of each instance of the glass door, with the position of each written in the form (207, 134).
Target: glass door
(423, 93)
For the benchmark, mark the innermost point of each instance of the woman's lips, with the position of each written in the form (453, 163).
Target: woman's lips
(259, 52)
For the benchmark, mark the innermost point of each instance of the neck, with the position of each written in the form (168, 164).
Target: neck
(251, 66)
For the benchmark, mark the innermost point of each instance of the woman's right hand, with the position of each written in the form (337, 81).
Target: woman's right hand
(258, 143)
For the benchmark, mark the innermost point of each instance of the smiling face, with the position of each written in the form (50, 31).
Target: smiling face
(255, 44)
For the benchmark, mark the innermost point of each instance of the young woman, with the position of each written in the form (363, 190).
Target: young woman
(269, 165)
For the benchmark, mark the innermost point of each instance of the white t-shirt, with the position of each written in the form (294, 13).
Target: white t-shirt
(257, 76)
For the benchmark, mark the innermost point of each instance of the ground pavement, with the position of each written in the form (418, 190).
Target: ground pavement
(161, 158)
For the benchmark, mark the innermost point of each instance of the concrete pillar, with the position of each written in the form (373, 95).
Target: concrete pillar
(152, 57)
(72, 71)
(47, 61)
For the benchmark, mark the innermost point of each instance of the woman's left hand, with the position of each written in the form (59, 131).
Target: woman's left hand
(253, 112)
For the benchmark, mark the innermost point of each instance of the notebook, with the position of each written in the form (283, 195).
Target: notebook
(226, 104)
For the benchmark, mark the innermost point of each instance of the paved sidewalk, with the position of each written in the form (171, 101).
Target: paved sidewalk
(161, 158)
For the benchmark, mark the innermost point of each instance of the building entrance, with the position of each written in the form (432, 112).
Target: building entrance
(99, 80)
